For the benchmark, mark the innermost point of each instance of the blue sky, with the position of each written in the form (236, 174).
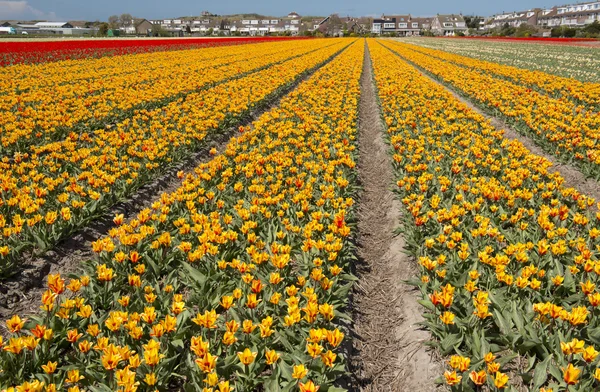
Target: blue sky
(155, 9)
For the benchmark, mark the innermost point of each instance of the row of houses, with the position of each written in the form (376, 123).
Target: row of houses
(407, 25)
(574, 15)
(292, 24)
(260, 25)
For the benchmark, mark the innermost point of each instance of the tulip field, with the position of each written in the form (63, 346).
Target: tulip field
(243, 277)
(578, 62)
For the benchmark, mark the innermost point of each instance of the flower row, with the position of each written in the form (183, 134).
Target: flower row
(61, 186)
(42, 103)
(235, 281)
(569, 61)
(587, 94)
(558, 125)
(508, 255)
(26, 52)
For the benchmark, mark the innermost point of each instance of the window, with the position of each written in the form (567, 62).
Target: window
(446, 24)
(295, 21)
(415, 25)
(402, 25)
(389, 25)
(274, 21)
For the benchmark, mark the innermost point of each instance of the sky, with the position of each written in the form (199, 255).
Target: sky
(158, 9)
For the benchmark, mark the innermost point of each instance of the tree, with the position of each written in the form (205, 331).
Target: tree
(158, 31)
(507, 30)
(592, 30)
(125, 20)
(113, 21)
(210, 32)
(103, 29)
(472, 22)
(334, 24)
(188, 29)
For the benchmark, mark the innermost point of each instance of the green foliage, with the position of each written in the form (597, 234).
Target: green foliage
(103, 29)
(525, 30)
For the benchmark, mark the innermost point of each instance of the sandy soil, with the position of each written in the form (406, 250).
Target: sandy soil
(389, 352)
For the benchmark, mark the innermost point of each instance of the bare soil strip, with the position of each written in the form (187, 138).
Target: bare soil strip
(388, 352)
(573, 177)
(21, 293)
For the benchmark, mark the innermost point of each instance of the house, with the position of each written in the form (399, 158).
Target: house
(515, 19)
(578, 14)
(79, 24)
(139, 27)
(293, 15)
(400, 25)
(364, 23)
(423, 24)
(549, 18)
(8, 23)
(333, 25)
(448, 25)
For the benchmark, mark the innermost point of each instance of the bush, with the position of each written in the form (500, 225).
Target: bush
(592, 30)
(570, 32)
(525, 30)
(563, 31)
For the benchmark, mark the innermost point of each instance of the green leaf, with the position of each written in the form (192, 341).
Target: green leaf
(501, 322)
(427, 304)
(198, 277)
(100, 388)
(540, 374)
(517, 318)
(449, 342)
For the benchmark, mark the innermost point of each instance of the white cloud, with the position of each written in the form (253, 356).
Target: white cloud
(21, 10)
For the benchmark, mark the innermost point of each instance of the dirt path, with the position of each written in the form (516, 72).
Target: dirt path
(388, 352)
(573, 177)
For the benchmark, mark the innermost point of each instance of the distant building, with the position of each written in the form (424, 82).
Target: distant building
(139, 27)
(515, 19)
(53, 28)
(54, 25)
(448, 25)
(400, 25)
(575, 15)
